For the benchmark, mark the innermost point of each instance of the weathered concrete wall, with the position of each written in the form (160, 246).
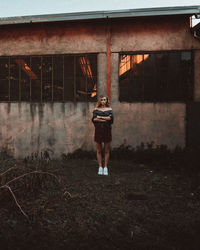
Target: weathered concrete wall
(65, 127)
(146, 34)
(162, 123)
(62, 127)
(56, 38)
(151, 34)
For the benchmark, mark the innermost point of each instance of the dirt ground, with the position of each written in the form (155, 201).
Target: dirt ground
(138, 206)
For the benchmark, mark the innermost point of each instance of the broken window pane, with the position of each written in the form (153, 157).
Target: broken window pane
(158, 76)
(48, 78)
(36, 69)
(14, 79)
(81, 78)
(47, 70)
(92, 79)
(58, 78)
(24, 77)
(92, 89)
(86, 78)
(69, 78)
(4, 82)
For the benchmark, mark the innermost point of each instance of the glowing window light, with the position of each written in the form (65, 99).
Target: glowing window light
(94, 93)
(125, 64)
(139, 58)
(85, 66)
(26, 68)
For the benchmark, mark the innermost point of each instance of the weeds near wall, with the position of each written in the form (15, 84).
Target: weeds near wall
(44, 154)
(79, 154)
(183, 159)
(26, 180)
(5, 154)
(143, 153)
(180, 159)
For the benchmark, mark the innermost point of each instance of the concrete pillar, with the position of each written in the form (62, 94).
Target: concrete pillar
(102, 73)
(197, 75)
(114, 78)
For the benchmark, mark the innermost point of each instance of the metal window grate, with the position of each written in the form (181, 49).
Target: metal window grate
(156, 76)
(47, 78)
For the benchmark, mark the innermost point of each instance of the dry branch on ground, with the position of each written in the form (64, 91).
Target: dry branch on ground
(7, 186)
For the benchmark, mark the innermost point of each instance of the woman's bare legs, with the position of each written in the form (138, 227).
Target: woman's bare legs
(107, 152)
(99, 157)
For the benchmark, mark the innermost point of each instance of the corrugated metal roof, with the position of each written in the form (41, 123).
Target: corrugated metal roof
(161, 11)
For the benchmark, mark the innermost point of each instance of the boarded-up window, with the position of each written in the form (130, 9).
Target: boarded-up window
(48, 78)
(156, 77)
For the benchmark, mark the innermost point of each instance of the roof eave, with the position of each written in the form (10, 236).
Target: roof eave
(162, 11)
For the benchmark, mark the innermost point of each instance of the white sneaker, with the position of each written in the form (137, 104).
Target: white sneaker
(105, 171)
(100, 171)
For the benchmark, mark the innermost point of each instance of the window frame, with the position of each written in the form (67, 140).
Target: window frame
(52, 56)
(142, 99)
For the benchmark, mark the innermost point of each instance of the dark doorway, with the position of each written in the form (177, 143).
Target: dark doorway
(193, 125)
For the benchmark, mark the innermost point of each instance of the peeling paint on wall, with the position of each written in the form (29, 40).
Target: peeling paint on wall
(62, 128)
(65, 128)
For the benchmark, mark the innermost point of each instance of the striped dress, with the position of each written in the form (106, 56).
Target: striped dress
(103, 129)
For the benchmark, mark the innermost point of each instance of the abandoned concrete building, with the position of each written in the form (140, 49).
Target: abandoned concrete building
(54, 67)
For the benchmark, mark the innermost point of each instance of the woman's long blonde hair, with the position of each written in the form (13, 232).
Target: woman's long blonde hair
(99, 102)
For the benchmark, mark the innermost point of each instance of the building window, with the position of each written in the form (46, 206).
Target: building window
(156, 77)
(48, 78)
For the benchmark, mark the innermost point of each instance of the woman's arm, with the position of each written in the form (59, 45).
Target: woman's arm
(99, 119)
(105, 118)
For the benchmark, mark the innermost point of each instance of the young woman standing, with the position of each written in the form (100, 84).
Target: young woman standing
(102, 119)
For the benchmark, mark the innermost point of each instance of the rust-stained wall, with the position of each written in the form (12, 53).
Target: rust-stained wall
(64, 127)
(27, 128)
(61, 127)
(54, 38)
(150, 34)
(146, 34)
